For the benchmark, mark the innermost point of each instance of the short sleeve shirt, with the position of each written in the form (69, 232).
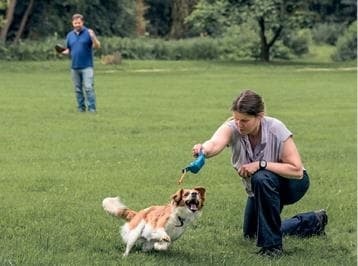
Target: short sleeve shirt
(273, 134)
(80, 46)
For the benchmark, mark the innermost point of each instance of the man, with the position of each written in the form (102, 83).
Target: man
(80, 42)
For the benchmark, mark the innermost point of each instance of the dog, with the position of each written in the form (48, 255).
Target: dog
(112, 59)
(156, 227)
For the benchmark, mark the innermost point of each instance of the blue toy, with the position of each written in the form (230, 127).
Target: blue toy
(195, 165)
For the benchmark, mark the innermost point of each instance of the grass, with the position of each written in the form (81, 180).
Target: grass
(57, 165)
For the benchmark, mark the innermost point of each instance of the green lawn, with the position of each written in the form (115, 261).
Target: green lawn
(57, 165)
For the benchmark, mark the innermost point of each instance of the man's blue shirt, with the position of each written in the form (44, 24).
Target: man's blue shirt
(80, 46)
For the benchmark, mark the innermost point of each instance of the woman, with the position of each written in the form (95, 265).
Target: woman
(265, 156)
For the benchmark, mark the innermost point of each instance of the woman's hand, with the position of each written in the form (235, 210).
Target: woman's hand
(247, 170)
(197, 149)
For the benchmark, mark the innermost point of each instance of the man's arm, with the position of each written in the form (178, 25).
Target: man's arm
(95, 41)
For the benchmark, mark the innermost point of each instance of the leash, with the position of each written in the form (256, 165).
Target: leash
(181, 179)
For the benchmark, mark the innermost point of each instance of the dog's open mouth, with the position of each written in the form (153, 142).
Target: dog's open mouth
(192, 204)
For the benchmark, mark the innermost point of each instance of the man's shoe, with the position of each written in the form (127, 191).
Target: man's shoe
(323, 220)
(272, 252)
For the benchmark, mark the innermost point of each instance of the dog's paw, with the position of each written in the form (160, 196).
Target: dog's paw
(165, 238)
(162, 245)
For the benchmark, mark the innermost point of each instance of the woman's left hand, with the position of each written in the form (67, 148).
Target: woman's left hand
(247, 170)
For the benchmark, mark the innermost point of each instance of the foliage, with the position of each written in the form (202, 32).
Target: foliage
(273, 18)
(57, 165)
(298, 42)
(145, 48)
(158, 16)
(334, 11)
(209, 18)
(31, 50)
(278, 26)
(347, 44)
(117, 18)
(130, 48)
(240, 42)
(327, 32)
(106, 17)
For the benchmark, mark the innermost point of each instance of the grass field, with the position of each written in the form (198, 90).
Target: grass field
(57, 165)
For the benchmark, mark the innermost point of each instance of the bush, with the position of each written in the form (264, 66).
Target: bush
(30, 50)
(327, 33)
(346, 48)
(202, 48)
(280, 51)
(240, 42)
(298, 42)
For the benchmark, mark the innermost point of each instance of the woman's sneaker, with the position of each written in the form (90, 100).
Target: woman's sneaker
(323, 220)
(272, 252)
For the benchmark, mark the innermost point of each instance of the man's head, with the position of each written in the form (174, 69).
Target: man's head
(77, 22)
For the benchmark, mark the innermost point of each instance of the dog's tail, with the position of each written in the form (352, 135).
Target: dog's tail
(115, 207)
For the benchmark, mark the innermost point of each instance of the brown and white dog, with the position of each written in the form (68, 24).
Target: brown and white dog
(157, 226)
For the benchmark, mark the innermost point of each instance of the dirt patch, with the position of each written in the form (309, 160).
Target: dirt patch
(310, 69)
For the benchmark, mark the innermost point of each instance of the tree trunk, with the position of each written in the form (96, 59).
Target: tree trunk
(265, 53)
(180, 10)
(11, 4)
(140, 9)
(23, 22)
(266, 46)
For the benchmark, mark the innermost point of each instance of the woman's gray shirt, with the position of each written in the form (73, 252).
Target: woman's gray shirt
(273, 134)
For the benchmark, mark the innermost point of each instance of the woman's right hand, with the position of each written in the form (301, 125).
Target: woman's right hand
(197, 149)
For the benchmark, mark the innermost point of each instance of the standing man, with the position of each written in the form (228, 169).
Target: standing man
(79, 43)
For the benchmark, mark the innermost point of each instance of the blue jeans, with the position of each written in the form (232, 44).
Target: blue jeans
(262, 213)
(83, 85)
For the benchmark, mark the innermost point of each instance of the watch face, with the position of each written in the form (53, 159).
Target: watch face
(263, 164)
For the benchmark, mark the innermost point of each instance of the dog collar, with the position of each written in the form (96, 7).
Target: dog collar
(181, 221)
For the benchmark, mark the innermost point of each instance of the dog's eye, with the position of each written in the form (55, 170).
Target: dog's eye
(186, 194)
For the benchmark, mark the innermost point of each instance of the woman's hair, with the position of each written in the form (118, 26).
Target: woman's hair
(248, 102)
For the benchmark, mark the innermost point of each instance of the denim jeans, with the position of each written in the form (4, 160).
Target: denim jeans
(84, 90)
(262, 213)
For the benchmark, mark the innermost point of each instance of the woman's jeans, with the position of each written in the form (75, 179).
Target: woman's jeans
(262, 212)
(83, 85)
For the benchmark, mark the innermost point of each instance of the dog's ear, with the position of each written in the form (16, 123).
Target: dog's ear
(178, 196)
(201, 191)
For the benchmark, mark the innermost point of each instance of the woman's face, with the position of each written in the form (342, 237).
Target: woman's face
(247, 124)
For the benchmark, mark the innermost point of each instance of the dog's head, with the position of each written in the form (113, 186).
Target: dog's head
(193, 198)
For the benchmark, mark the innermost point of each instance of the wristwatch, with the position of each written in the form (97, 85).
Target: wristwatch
(262, 164)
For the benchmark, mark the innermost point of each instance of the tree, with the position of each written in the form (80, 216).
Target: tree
(11, 4)
(24, 21)
(334, 11)
(158, 17)
(140, 9)
(30, 19)
(274, 16)
(271, 16)
(180, 10)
